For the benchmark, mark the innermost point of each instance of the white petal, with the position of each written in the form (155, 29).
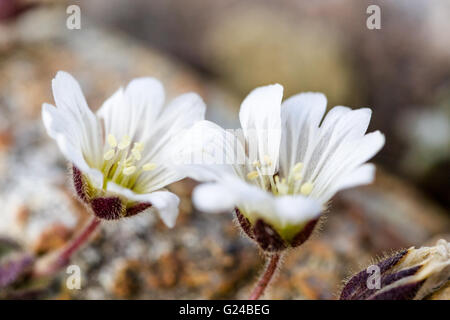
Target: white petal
(115, 115)
(300, 117)
(363, 175)
(261, 123)
(206, 152)
(145, 96)
(295, 210)
(165, 202)
(213, 198)
(179, 115)
(340, 127)
(278, 211)
(260, 204)
(159, 143)
(345, 163)
(134, 111)
(73, 108)
(167, 205)
(160, 177)
(59, 127)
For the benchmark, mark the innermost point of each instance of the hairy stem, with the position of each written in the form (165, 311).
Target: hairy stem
(63, 257)
(265, 278)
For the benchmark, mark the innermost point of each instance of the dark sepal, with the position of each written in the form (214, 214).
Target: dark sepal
(137, 208)
(356, 287)
(244, 223)
(304, 234)
(108, 208)
(79, 184)
(267, 237)
(404, 292)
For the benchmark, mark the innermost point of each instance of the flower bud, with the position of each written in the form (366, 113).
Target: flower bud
(269, 239)
(408, 274)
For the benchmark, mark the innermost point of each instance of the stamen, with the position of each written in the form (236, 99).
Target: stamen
(252, 175)
(120, 165)
(136, 154)
(139, 146)
(124, 143)
(256, 163)
(149, 166)
(109, 154)
(129, 170)
(112, 141)
(306, 188)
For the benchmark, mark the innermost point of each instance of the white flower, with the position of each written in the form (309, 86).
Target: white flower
(121, 155)
(296, 167)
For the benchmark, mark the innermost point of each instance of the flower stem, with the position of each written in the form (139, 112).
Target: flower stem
(63, 257)
(265, 278)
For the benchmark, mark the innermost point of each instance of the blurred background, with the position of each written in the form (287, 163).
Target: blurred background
(222, 49)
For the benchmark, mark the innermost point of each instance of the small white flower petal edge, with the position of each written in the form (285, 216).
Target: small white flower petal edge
(126, 147)
(311, 162)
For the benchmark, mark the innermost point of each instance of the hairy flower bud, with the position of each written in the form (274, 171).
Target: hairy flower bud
(408, 274)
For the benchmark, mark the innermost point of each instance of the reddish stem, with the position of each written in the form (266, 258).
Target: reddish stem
(64, 256)
(262, 283)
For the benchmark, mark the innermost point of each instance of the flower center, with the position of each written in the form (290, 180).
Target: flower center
(280, 186)
(122, 162)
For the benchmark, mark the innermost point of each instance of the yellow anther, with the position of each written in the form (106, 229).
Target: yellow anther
(136, 154)
(252, 175)
(125, 142)
(109, 155)
(256, 164)
(267, 160)
(306, 188)
(112, 141)
(149, 166)
(298, 167)
(129, 170)
(128, 162)
(139, 146)
(297, 177)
